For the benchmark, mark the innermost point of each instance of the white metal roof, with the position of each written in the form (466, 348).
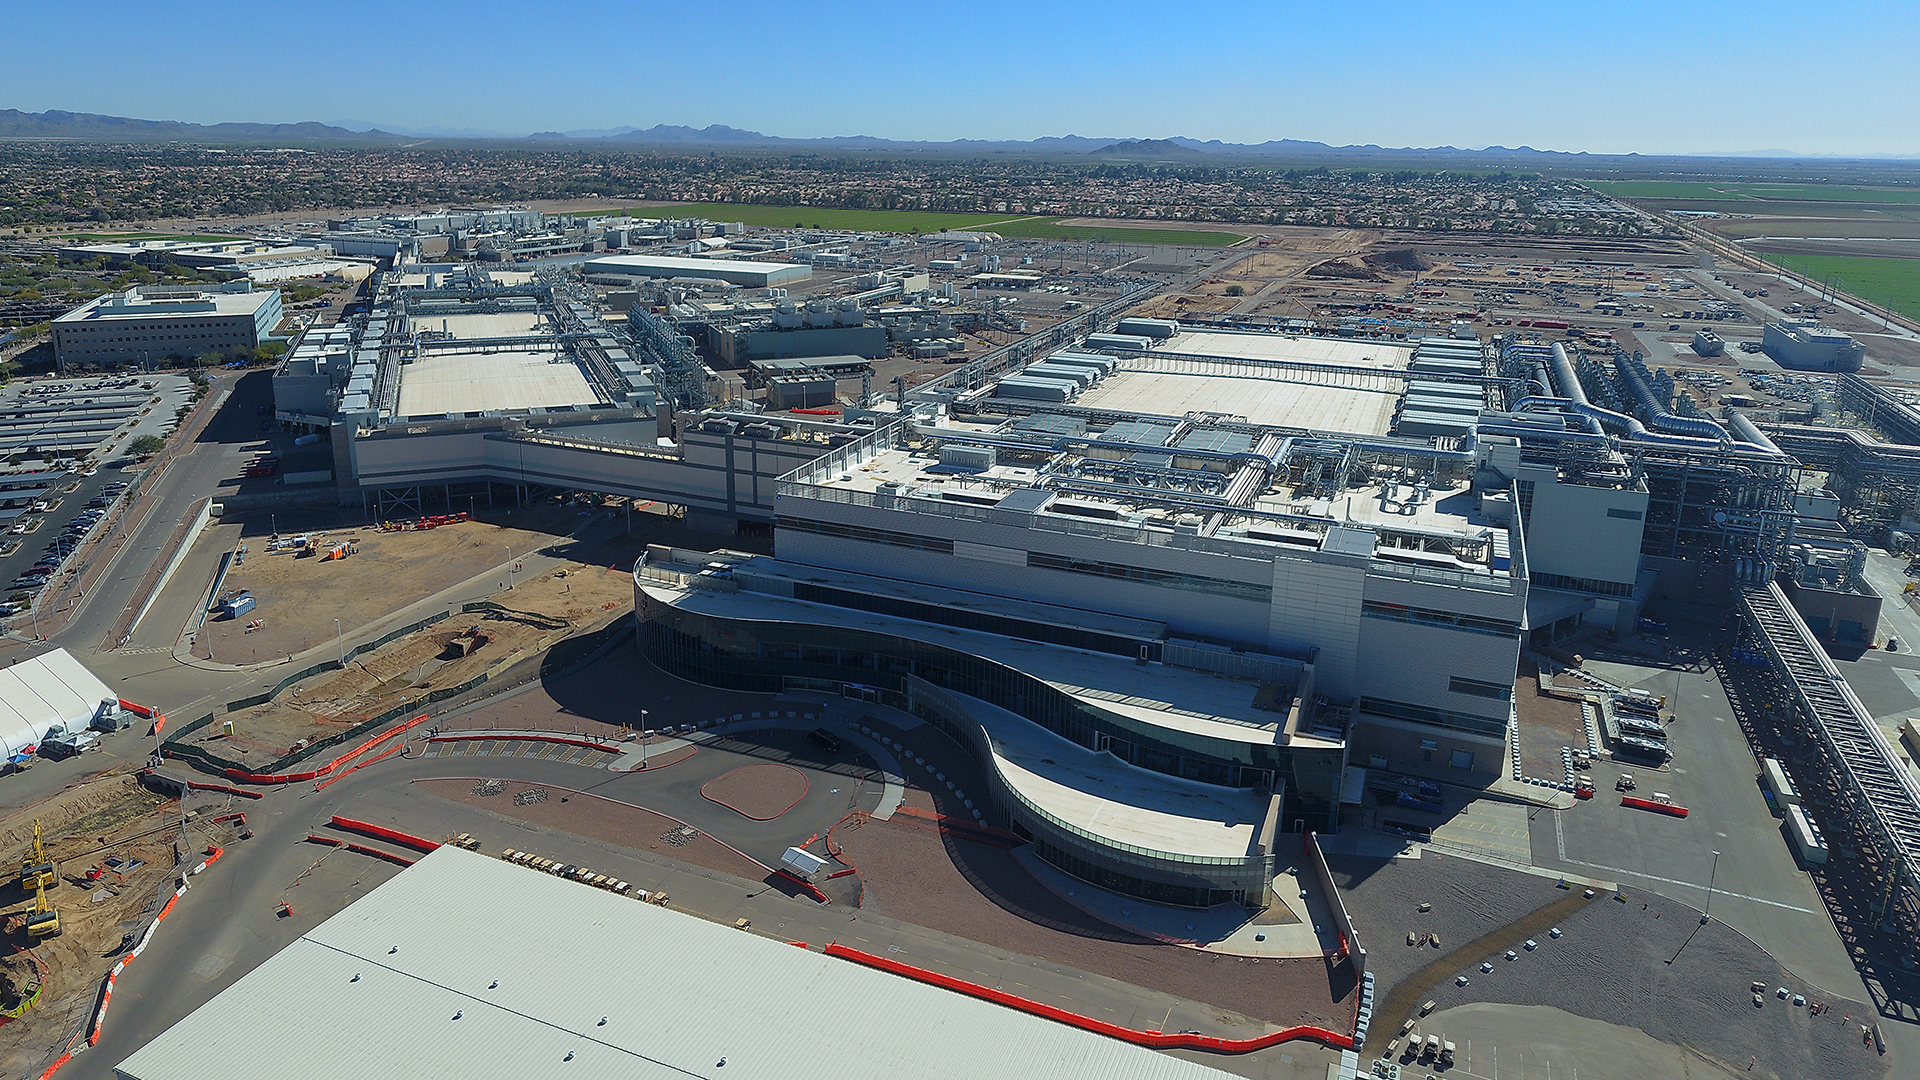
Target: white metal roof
(627, 989)
(45, 692)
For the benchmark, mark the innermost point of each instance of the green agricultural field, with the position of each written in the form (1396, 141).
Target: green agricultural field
(1826, 193)
(1664, 190)
(1892, 282)
(1658, 189)
(821, 217)
(1051, 229)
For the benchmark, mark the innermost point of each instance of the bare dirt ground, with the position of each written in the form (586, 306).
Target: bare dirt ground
(604, 820)
(298, 598)
(108, 816)
(544, 608)
(761, 792)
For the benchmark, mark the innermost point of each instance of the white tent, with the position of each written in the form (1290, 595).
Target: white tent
(46, 695)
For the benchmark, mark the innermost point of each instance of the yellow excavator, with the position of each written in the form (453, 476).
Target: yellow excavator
(37, 870)
(42, 920)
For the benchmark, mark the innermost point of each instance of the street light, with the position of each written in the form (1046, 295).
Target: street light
(643, 738)
(1715, 872)
(509, 567)
(341, 642)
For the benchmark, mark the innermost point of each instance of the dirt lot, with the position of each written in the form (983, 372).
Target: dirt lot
(576, 599)
(108, 816)
(299, 597)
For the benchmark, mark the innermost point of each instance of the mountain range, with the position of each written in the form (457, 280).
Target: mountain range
(93, 127)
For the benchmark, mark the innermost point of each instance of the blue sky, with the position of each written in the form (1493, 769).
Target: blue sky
(1673, 77)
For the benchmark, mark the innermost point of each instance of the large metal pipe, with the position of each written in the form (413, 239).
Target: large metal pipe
(1655, 413)
(1747, 430)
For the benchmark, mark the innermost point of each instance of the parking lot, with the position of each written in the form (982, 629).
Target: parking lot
(1757, 885)
(53, 543)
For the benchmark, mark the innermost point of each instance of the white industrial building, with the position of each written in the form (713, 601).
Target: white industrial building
(47, 696)
(150, 324)
(1801, 345)
(454, 968)
(755, 275)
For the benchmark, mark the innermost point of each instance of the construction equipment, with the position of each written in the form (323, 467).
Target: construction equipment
(42, 920)
(37, 870)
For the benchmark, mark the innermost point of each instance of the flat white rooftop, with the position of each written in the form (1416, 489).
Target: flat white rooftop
(455, 968)
(1106, 797)
(493, 325)
(1317, 350)
(1272, 398)
(186, 305)
(451, 382)
(672, 266)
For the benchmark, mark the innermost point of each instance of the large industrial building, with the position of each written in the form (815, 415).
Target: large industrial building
(150, 324)
(754, 275)
(1170, 566)
(1809, 346)
(454, 968)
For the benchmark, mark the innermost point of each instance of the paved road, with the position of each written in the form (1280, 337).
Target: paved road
(1758, 888)
(227, 923)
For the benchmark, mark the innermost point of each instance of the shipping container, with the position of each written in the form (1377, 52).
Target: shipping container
(1779, 783)
(1805, 837)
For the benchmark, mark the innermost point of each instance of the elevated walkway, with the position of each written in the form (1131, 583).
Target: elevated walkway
(1883, 797)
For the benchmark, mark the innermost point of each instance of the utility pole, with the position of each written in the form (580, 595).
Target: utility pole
(1715, 872)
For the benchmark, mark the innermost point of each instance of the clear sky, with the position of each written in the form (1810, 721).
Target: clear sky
(1672, 77)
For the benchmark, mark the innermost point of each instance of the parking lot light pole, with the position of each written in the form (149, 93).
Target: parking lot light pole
(1715, 872)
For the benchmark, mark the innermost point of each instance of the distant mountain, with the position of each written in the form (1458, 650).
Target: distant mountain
(15, 124)
(422, 133)
(96, 128)
(1151, 149)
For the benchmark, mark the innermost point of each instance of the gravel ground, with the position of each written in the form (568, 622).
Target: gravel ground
(1469, 899)
(1647, 963)
(761, 792)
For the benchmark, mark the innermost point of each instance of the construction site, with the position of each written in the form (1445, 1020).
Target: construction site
(301, 582)
(471, 643)
(87, 871)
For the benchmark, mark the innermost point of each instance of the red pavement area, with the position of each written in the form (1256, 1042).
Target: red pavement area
(978, 891)
(762, 792)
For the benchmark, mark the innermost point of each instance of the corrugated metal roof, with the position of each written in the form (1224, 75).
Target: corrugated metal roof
(628, 989)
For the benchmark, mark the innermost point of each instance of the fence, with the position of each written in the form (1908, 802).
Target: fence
(334, 665)
(200, 757)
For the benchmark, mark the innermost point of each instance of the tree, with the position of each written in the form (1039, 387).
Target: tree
(146, 445)
(1236, 290)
